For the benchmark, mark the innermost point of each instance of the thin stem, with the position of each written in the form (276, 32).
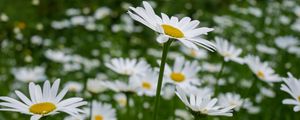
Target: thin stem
(127, 105)
(218, 77)
(160, 77)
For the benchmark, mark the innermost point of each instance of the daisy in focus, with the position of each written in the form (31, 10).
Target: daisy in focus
(183, 72)
(261, 69)
(43, 102)
(201, 106)
(292, 86)
(228, 51)
(127, 66)
(184, 30)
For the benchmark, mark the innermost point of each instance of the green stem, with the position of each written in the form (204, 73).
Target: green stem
(127, 105)
(160, 77)
(218, 77)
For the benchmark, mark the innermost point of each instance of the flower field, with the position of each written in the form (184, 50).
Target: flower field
(149, 60)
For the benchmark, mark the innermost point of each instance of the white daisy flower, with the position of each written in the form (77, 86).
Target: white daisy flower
(146, 83)
(261, 69)
(26, 74)
(183, 72)
(121, 99)
(292, 87)
(102, 111)
(231, 99)
(203, 106)
(228, 51)
(184, 30)
(122, 86)
(74, 86)
(286, 41)
(43, 102)
(204, 92)
(127, 66)
(199, 54)
(96, 86)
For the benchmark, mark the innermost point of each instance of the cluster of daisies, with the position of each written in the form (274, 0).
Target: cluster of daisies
(138, 77)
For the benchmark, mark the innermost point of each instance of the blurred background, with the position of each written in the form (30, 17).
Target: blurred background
(34, 33)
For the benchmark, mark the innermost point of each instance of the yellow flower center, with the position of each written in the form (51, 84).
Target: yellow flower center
(122, 102)
(42, 108)
(172, 31)
(298, 98)
(193, 53)
(226, 54)
(146, 85)
(99, 117)
(260, 74)
(178, 77)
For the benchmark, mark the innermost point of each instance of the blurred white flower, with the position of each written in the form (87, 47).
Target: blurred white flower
(285, 42)
(78, 20)
(146, 83)
(126, 66)
(43, 102)
(261, 69)
(121, 86)
(74, 86)
(96, 86)
(267, 92)
(184, 30)
(102, 12)
(203, 105)
(265, 49)
(73, 12)
(121, 99)
(183, 72)
(198, 54)
(183, 114)
(230, 99)
(4, 17)
(102, 111)
(57, 56)
(26, 74)
(292, 87)
(248, 105)
(38, 40)
(35, 2)
(228, 51)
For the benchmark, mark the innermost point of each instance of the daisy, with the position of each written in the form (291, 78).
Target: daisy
(184, 30)
(128, 66)
(74, 86)
(26, 74)
(261, 69)
(146, 83)
(121, 86)
(43, 102)
(228, 51)
(96, 86)
(198, 54)
(102, 111)
(183, 73)
(231, 99)
(292, 87)
(202, 106)
(286, 41)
